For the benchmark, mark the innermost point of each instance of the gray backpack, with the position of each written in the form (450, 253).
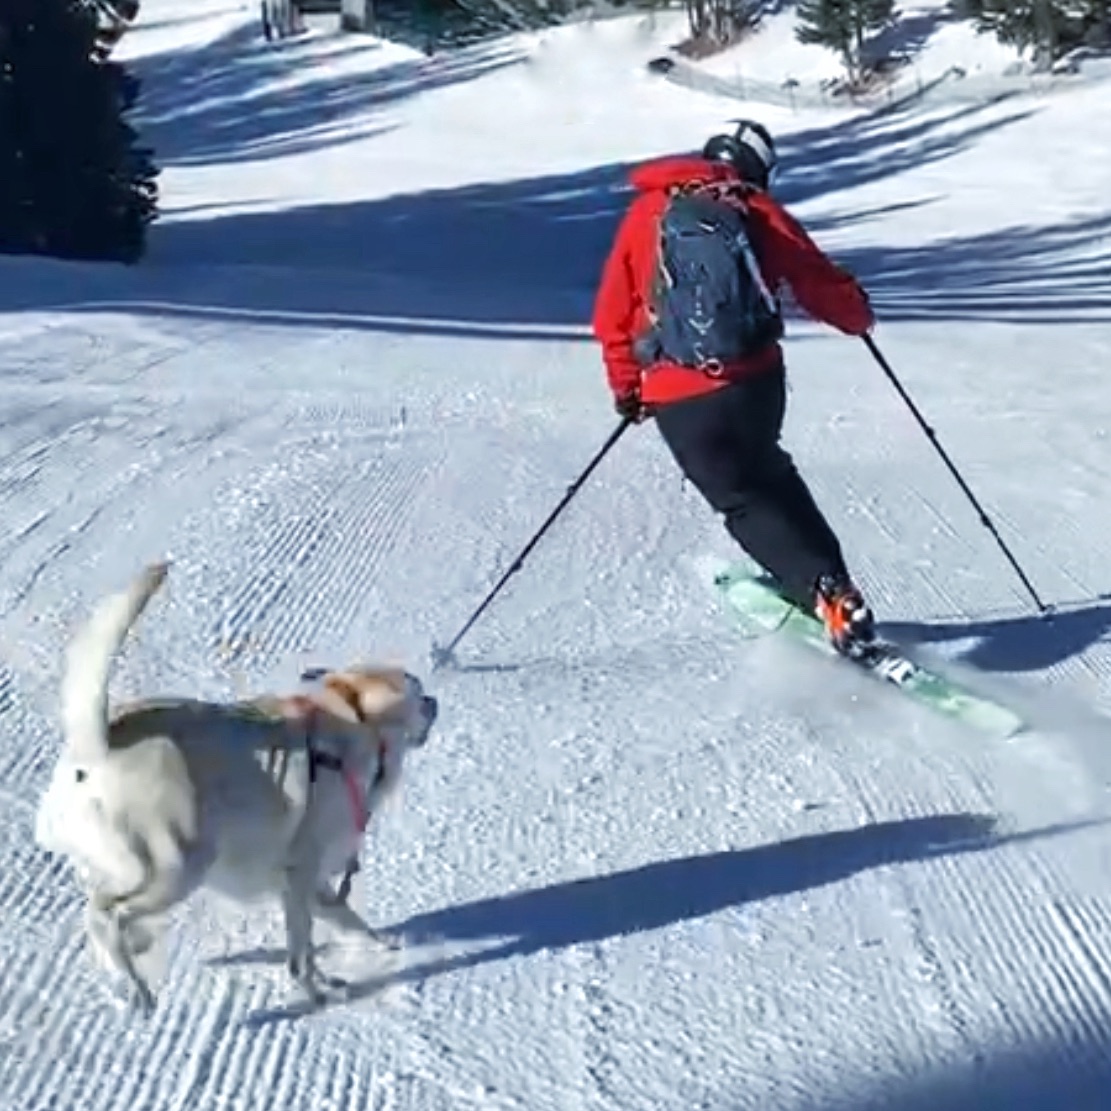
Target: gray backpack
(709, 303)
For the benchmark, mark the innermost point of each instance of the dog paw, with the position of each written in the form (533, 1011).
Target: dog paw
(318, 987)
(323, 990)
(384, 939)
(335, 987)
(140, 1000)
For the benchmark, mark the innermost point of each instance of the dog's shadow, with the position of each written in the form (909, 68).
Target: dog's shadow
(660, 894)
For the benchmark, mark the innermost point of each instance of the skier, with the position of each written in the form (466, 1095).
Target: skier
(689, 325)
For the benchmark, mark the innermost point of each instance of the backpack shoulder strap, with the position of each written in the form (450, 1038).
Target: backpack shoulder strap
(660, 278)
(735, 194)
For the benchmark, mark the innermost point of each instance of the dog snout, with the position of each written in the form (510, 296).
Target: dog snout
(430, 709)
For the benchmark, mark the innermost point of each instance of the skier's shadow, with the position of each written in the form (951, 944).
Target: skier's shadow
(1014, 644)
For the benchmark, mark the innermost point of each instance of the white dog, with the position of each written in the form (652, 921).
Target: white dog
(267, 796)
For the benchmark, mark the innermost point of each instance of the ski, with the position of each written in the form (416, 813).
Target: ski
(759, 608)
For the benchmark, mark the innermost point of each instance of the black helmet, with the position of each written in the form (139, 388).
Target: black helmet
(750, 150)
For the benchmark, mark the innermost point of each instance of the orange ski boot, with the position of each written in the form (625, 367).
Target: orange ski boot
(847, 617)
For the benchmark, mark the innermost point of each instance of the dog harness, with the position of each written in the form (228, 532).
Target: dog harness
(318, 759)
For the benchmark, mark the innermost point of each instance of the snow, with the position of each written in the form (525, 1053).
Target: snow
(927, 33)
(642, 864)
(773, 53)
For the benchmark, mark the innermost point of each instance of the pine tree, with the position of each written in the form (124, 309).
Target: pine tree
(842, 25)
(72, 182)
(718, 22)
(1047, 28)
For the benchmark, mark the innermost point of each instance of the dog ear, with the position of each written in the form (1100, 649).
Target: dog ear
(370, 694)
(340, 687)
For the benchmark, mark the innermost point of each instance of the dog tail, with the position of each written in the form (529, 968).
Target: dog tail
(89, 660)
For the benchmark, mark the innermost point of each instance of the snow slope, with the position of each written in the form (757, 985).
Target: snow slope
(643, 864)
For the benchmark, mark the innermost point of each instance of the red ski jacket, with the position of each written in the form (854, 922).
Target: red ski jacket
(785, 253)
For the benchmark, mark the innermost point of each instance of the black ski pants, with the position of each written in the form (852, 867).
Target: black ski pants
(727, 444)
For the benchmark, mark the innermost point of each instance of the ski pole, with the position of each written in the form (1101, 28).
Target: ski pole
(931, 435)
(441, 656)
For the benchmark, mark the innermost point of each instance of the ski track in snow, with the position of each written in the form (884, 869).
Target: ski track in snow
(295, 519)
(643, 865)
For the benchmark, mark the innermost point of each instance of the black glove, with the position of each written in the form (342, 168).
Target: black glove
(628, 405)
(868, 301)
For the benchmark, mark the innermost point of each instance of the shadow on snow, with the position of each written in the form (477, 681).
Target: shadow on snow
(527, 254)
(231, 100)
(663, 893)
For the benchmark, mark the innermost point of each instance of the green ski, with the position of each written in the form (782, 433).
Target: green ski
(760, 608)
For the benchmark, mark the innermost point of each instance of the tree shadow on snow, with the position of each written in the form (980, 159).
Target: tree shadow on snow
(863, 150)
(534, 237)
(1050, 275)
(905, 37)
(521, 259)
(1014, 644)
(231, 100)
(544, 233)
(661, 894)
(512, 260)
(1029, 274)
